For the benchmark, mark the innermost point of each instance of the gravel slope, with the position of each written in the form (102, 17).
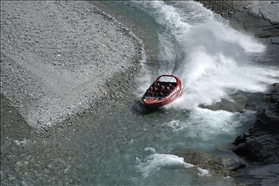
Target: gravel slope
(56, 58)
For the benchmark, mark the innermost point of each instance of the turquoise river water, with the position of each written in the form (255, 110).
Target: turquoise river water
(130, 145)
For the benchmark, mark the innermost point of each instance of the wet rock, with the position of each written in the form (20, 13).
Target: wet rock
(258, 175)
(260, 18)
(237, 104)
(261, 142)
(221, 163)
(223, 7)
(268, 10)
(252, 23)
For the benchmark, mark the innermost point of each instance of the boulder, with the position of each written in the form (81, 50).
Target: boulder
(267, 9)
(258, 175)
(261, 142)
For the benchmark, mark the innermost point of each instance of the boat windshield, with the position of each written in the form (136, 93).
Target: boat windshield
(167, 79)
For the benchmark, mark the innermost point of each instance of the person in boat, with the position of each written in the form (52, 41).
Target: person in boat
(147, 93)
(162, 88)
(161, 95)
(171, 87)
(157, 85)
(168, 90)
(155, 89)
(161, 91)
(151, 91)
(158, 91)
(154, 84)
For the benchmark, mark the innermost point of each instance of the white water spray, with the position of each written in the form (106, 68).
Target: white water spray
(217, 60)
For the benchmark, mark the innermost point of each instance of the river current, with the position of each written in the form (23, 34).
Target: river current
(130, 145)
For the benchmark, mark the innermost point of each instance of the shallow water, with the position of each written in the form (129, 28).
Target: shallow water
(128, 144)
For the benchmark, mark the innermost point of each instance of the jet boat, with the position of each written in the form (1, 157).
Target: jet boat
(164, 90)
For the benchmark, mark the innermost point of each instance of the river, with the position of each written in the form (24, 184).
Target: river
(131, 145)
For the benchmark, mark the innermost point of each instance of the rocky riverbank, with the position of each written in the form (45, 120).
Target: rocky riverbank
(259, 146)
(259, 18)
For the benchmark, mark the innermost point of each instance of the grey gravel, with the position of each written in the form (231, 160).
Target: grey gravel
(58, 58)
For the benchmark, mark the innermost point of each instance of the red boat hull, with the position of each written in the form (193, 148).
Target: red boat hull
(154, 101)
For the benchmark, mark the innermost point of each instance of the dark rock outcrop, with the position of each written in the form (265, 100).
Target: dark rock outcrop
(256, 175)
(224, 7)
(260, 145)
(253, 23)
(261, 142)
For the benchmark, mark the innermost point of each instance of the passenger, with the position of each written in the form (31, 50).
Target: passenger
(162, 88)
(146, 93)
(158, 85)
(168, 90)
(171, 87)
(156, 89)
(154, 84)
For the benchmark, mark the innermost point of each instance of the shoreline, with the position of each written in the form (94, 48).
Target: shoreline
(113, 91)
(248, 16)
(55, 82)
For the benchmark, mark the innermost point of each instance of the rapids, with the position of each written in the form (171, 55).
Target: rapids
(127, 144)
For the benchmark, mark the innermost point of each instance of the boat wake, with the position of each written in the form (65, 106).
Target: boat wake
(211, 59)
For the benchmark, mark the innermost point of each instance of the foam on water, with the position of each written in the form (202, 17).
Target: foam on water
(217, 62)
(204, 129)
(215, 123)
(212, 59)
(157, 161)
(203, 172)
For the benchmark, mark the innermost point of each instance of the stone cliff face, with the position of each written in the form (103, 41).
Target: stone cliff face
(268, 10)
(259, 145)
(261, 142)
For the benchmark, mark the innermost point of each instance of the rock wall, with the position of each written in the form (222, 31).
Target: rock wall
(261, 142)
(258, 146)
